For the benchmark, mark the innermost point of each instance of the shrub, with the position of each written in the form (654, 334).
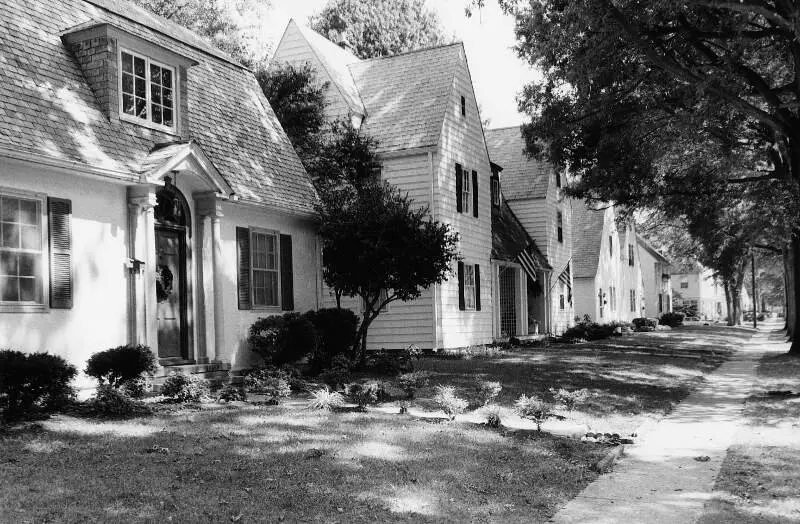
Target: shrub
(38, 381)
(122, 364)
(339, 373)
(493, 418)
(411, 382)
(390, 363)
(185, 388)
(761, 317)
(282, 339)
(569, 399)
(488, 391)
(136, 388)
(272, 382)
(111, 402)
(589, 331)
(326, 399)
(336, 332)
(231, 393)
(534, 409)
(451, 404)
(363, 394)
(671, 319)
(645, 324)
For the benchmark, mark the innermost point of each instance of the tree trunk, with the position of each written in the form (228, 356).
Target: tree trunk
(788, 285)
(733, 296)
(728, 303)
(793, 297)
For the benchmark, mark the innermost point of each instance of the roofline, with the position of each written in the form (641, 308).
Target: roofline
(81, 168)
(218, 53)
(650, 249)
(421, 50)
(505, 128)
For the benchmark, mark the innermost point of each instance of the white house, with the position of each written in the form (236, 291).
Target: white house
(657, 283)
(147, 192)
(420, 107)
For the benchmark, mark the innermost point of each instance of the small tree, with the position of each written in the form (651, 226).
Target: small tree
(380, 247)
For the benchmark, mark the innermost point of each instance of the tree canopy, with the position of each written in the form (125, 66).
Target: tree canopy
(375, 28)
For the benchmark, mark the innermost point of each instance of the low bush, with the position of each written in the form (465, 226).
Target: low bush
(110, 402)
(33, 382)
(589, 331)
(276, 383)
(761, 317)
(123, 367)
(569, 399)
(185, 388)
(282, 339)
(645, 324)
(447, 400)
(493, 418)
(339, 373)
(534, 409)
(390, 363)
(411, 382)
(231, 393)
(363, 394)
(325, 399)
(488, 391)
(672, 319)
(336, 331)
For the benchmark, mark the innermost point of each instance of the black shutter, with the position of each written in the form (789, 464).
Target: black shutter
(59, 213)
(243, 267)
(461, 303)
(287, 274)
(477, 287)
(475, 194)
(459, 189)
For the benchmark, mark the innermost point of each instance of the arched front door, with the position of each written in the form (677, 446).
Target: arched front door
(172, 223)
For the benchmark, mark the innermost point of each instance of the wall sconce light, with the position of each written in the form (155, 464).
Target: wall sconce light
(134, 265)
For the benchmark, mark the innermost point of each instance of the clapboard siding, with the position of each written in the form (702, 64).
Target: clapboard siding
(295, 50)
(462, 141)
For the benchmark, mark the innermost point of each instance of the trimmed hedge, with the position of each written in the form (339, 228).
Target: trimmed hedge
(671, 319)
(33, 382)
(122, 366)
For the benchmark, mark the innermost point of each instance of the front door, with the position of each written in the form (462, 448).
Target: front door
(171, 292)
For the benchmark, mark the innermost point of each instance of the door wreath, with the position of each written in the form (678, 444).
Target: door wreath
(164, 282)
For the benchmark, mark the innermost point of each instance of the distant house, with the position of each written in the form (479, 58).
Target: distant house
(421, 108)
(533, 192)
(657, 282)
(607, 271)
(695, 286)
(147, 192)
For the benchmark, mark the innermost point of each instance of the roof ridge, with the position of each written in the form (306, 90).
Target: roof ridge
(505, 128)
(406, 53)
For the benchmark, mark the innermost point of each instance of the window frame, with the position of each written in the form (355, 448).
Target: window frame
(466, 191)
(276, 234)
(43, 305)
(495, 187)
(463, 106)
(630, 255)
(148, 122)
(560, 226)
(633, 300)
(469, 289)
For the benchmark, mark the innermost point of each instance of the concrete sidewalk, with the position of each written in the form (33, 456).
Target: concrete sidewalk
(658, 480)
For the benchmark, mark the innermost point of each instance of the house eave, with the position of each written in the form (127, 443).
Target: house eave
(79, 168)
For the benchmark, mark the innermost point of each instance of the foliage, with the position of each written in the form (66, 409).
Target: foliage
(361, 259)
(389, 363)
(339, 373)
(363, 394)
(569, 399)
(687, 309)
(282, 339)
(447, 400)
(325, 399)
(493, 418)
(336, 332)
(589, 331)
(123, 366)
(488, 390)
(645, 324)
(231, 393)
(298, 100)
(411, 382)
(375, 28)
(671, 319)
(32, 382)
(534, 409)
(111, 402)
(179, 387)
(269, 381)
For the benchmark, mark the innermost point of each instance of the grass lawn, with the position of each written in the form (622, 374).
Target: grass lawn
(247, 463)
(760, 479)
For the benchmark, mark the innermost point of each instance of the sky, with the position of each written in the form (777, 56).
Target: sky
(497, 73)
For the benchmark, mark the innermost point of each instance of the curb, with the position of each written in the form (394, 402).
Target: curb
(606, 463)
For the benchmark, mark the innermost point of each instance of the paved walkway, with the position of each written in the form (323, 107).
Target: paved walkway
(658, 480)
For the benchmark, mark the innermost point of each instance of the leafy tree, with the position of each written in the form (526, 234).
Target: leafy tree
(298, 100)
(377, 28)
(379, 246)
(646, 99)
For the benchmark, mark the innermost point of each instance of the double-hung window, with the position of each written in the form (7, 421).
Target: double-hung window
(560, 227)
(147, 90)
(265, 269)
(21, 251)
(469, 286)
(630, 254)
(633, 300)
(466, 196)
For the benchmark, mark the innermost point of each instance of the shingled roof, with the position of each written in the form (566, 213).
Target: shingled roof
(47, 108)
(522, 177)
(587, 236)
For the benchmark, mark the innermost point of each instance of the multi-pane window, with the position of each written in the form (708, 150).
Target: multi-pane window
(633, 300)
(610, 245)
(561, 302)
(560, 226)
(495, 192)
(21, 250)
(466, 196)
(147, 90)
(684, 284)
(264, 268)
(469, 286)
(630, 254)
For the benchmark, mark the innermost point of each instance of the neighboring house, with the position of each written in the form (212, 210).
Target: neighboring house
(657, 281)
(420, 107)
(631, 282)
(533, 192)
(147, 192)
(695, 285)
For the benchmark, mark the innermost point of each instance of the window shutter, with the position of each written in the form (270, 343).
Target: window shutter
(287, 274)
(475, 194)
(459, 189)
(59, 213)
(462, 305)
(477, 287)
(243, 267)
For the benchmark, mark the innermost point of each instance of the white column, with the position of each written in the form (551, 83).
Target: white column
(143, 329)
(209, 210)
(522, 320)
(219, 310)
(205, 285)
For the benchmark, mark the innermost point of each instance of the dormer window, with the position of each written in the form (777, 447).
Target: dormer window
(147, 90)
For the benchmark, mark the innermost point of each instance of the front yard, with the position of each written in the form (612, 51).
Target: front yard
(242, 462)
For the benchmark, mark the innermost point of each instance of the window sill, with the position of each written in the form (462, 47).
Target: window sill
(276, 309)
(23, 308)
(149, 125)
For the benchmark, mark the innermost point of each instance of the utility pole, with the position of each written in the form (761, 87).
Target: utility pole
(753, 267)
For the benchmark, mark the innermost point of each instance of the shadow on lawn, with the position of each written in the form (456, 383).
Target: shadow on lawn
(269, 463)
